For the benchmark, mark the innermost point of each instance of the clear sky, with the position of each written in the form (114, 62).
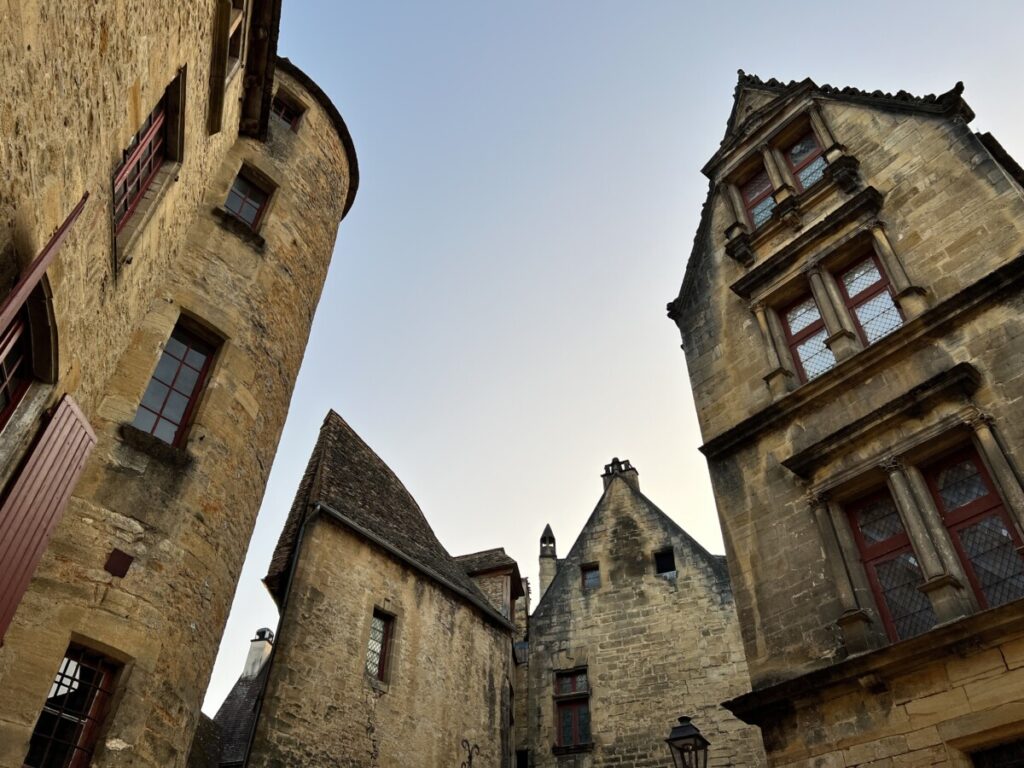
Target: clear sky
(493, 323)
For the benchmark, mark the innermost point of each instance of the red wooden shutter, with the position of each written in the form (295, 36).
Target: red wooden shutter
(36, 500)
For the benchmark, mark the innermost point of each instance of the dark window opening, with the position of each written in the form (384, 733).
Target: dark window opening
(286, 109)
(69, 725)
(572, 708)
(591, 576)
(665, 563)
(378, 649)
(15, 365)
(247, 200)
(174, 390)
(522, 758)
(1004, 756)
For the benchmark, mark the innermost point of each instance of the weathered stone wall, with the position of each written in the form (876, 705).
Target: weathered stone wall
(655, 647)
(445, 678)
(80, 79)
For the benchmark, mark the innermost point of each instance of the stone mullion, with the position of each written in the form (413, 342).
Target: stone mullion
(779, 378)
(828, 142)
(841, 340)
(910, 297)
(1000, 468)
(942, 589)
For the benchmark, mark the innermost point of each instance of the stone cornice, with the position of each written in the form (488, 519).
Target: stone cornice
(855, 367)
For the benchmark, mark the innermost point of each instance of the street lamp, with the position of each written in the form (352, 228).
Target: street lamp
(689, 748)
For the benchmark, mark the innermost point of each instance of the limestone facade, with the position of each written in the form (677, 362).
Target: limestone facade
(851, 317)
(650, 646)
(80, 80)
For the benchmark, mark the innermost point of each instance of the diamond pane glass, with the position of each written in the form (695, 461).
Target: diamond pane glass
(879, 520)
(762, 212)
(802, 149)
(961, 484)
(910, 609)
(878, 316)
(758, 185)
(375, 649)
(995, 560)
(815, 357)
(802, 315)
(812, 173)
(861, 276)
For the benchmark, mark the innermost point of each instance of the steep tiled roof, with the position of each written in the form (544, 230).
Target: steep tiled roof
(237, 717)
(488, 560)
(360, 490)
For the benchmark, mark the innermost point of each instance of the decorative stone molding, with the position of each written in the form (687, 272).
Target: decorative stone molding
(844, 171)
(739, 249)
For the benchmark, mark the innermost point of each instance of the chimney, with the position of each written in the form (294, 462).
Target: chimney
(259, 652)
(622, 469)
(548, 559)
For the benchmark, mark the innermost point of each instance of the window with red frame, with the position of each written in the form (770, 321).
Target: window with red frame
(757, 198)
(286, 110)
(378, 651)
(892, 568)
(572, 708)
(15, 365)
(175, 387)
(67, 729)
(139, 164)
(805, 161)
(247, 200)
(806, 336)
(985, 538)
(868, 294)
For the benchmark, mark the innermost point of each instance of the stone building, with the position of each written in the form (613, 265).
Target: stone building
(169, 201)
(388, 652)
(635, 627)
(851, 317)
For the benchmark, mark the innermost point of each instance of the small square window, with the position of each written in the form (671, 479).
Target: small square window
(247, 200)
(665, 563)
(591, 576)
(378, 650)
(287, 109)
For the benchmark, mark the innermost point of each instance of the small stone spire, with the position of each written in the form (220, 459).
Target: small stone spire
(548, 559)
(622, 469)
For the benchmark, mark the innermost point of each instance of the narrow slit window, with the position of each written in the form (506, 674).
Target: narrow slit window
(806, 337)
(757, 198)
(806, 161)
(665, 563)
(590, 576)
(867, 293)
(67, 729)
(174, 390)
(981, 529)
(892, 568)
(247, 200)
(378, 651)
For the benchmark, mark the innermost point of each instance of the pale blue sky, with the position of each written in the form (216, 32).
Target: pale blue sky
(493, 322)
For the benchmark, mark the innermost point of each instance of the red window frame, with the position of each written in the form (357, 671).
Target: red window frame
(191, 342)
(287, 111)
(873, 555)
(794, 340)
(15, 365)
(244, 197)
(573, 699)
(866, 294)
(387, 627)
(141, 161)
(77, 753)
(750, 203)
(796, 168)
(989, 505)
(585, 571)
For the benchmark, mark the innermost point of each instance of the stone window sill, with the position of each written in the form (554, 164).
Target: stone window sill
(239, 228)
(573, 749)
(155, 447)
(380, 686)
(128, 238)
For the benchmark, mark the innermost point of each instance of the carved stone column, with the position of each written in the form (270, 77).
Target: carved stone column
(854, 621)
(911, 298)
(1001, 470)
(779, 379)
(841, 340)
(942, 589)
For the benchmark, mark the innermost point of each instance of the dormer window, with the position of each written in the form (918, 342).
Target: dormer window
(869, 297)
(806, 336)
(757, 198)
(806, 161)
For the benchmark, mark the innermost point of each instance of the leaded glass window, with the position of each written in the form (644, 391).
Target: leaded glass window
(572, 707)
(807, 336)
(379, 647)
(868, 295)
(805, 161)
(758, 199)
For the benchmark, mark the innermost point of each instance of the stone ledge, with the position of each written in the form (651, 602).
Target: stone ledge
(575, 749)
(154, 446)
(239, 228)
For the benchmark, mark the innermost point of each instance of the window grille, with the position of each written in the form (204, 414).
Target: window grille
(806, 162)
(140, 162)
(758, 199)
(246, 201)
(378, 649)
(806, 336)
